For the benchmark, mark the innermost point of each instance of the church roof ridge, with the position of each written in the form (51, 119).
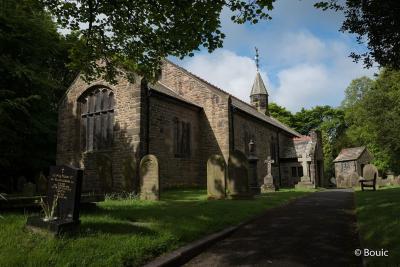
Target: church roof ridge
(247, 108)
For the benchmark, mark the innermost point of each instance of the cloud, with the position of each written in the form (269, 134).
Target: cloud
(302, 86)
(300, 47)
(310, 71)
(305, 56)
(226, 70)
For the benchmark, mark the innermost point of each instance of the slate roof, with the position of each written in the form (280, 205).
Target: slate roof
(163, 89)
(258, 86)
(300, 145)
(255, 113)
(352, 153)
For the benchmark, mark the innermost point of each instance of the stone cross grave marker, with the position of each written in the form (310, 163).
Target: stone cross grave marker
(305, 181)
(149, 178)
(216, 173)
(304, 163)
(269, 184)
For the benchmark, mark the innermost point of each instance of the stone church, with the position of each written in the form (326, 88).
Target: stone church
(182, 119)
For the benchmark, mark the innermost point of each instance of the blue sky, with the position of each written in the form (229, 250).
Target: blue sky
(303, 57)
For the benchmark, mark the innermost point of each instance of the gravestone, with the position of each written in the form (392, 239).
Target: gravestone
(305, 180)
(216, 172)
(253, 176)
(370, 171)
(149, 178)
(238, 180)
(269, 184)
(64, 195)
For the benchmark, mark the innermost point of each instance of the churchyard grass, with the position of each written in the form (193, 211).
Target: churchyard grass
(378, 219)
(130, 232)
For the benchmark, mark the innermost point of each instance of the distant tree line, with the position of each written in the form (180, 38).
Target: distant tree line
(368, 116)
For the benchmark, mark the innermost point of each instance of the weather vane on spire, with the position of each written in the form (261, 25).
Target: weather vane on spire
(256, 58)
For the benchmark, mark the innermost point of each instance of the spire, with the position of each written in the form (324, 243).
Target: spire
(259, 95)
(258, 86)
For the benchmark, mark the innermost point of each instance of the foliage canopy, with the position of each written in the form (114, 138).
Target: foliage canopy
(137, 35)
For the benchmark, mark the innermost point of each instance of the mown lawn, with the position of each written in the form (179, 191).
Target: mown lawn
(130, 232)
(378, 218)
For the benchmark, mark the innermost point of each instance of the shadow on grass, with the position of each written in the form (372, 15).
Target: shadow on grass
(379, 222)
(185, 214)
(89, 228)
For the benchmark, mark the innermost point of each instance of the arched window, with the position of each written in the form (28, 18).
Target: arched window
(96, 107)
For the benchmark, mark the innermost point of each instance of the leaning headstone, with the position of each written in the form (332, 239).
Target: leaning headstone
(216, 173)
(370, 172)
(269, 184)
(62, 204)
(149, 178)
(238, 181)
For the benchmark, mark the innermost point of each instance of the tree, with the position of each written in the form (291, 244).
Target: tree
(376, 23)
(382, 107)
(374, 119)
(331, 122)
(356, 91)
(136, 35)
(33, 77)
(281, 114)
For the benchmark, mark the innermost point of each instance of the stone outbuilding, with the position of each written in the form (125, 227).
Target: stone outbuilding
(349, 165)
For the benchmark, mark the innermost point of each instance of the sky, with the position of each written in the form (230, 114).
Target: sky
(303, 57)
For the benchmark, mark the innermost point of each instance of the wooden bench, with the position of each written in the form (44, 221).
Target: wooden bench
(371, 183)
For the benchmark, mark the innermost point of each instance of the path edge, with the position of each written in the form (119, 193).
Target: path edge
(187, 252)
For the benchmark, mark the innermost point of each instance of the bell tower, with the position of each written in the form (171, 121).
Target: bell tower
(259, 95)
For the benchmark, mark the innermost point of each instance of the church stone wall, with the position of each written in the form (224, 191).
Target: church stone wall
(126, 150)
(214, 120)
(175, 171)
(246, 128)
